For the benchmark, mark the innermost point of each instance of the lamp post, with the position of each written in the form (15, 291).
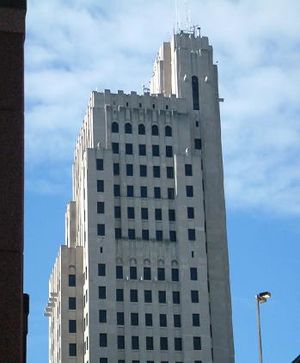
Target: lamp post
(261, 298)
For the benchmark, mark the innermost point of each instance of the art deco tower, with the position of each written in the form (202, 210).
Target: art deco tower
(144, 275)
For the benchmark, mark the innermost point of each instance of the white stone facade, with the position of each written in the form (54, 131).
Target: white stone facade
(146, 232)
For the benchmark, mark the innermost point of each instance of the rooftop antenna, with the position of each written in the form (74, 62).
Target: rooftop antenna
(177, 17)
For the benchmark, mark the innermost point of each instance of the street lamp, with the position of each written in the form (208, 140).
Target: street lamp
(261, 298)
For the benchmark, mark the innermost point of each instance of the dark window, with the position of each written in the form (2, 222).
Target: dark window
(155, 130)
(115, 147)
(190, 213)
(100, 186)
(160, 274)
(120, 318)
(162, 297)
(194, 296)
(156, 171)
(189, 191)
(117, 212)
(188, 169)
(144, 193)
(99, 164)
(121, 360)
(173, 236)
(72, 280)
(128, 128)
(101, 269)
(118, 233)
(143, 170)
(102, 316)
(128, 149)
(159, 235)
(175, 274)
(196, 319)
(72, 326)
(172, 215)
(103, 340)
(177, 320)
(194, 273)
(162, 320)
(116, 169)
(102, 292)
(129, 169)
(195, 91)
(119, 272)
(103, 360)
(197, 343)
(147, 273)
(170, 172)
(101, 229)
(130, 191)
(114, 127)
(168, 131)
(135, 342)
(117, 190)
(100, 207)
(191, 234)
(141, 128)
(144, 213)
(134, 318)
(149, 343)
(131, 233)
(178, 343)
(145, 234)
(157, 193)
(148, 319)
(158, 214)
(121, 342)
(198, 144)
(142, 149)
(176, 297)
(155, 150)
(148, 296)
(119, 295)
(169, 151)
(130, 212)
(133, 273)
(163, 343)
(72, 350)
(133, 295)
(171, 193)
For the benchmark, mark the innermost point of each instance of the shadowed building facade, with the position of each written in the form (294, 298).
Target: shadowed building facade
(144, 275)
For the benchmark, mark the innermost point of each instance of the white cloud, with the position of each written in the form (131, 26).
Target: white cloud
(77, 46)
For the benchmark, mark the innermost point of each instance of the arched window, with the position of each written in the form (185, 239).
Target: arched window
(155, 130)
(168, 131)
(195, 90)
(128, 128)
(114, 127)
(141, 129)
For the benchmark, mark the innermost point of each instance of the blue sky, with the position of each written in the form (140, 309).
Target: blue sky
(76, 46)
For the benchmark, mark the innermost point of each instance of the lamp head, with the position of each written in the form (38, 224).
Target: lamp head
(262, 297)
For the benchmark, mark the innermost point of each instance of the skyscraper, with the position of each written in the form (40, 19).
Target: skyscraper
(143, 276)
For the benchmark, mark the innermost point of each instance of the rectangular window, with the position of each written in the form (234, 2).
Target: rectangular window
(117, 190)
(176, 297)
(144, 193)
(190, 213)
(162, 320)
(149, 343)
(120, 318)
(100, 207)
(72, 280)
(175, 274)
(143, 170)
(194, 296)
(148, 319)
(159, 235)
(172, 215)
(169, 151)
(155, 150)
(72, 326)
(170, 172)
(117, 212)
(119, 272)
(162, 297)
(160, 274)
(134, 319)
(102, 316)
(133, 272)
(198, 145)
(171, 193)
(191, 234)
(72, 303)
(115, 147)
(156, 171)
(121, 341)
(142, 149)
(157, 193)
(147, 273)
(196, 319)
(197, 343)
(158, 214)
(101, 269)
(163, 343)
(103, 360)
(72, 350)
(101, 229)
(130, 191)
(129, 169)
(116, 169)
(99, 164)
(131, 233)
(128, 149)
(135, 343)
(188, 169)
(189, 191)
(103, 340)
(118, 233)
(177, 343)
(130, 212)
(102, 292)
(177, 320)
(145, 234)
(194, 273)
(119, 295)
(173, 236)
(100, 186)
(148, 296)
(133, 295)
(144, 213)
